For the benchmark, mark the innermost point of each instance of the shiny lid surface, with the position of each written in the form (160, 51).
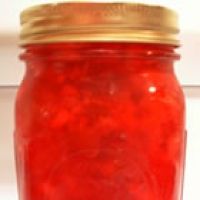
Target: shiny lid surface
(125, 22)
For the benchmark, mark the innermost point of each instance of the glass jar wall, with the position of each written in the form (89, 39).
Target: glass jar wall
(99, 116)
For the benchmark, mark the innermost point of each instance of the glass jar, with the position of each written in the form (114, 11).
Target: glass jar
(100, 113)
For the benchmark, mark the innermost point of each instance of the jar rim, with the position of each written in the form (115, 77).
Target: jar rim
(116, 22)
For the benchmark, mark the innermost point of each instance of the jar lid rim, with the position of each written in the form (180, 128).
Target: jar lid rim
(128, 22)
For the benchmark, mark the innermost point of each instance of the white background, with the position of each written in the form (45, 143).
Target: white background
(188, 69)
(188, 10)
(11, 72)
(7, 169)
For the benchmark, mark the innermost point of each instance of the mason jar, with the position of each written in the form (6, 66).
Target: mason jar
(100, 113)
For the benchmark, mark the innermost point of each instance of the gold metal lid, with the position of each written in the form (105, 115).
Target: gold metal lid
(125, 22)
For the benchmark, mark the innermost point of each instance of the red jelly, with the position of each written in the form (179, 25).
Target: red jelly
(99, 120)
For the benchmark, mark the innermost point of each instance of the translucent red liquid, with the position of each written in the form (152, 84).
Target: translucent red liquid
(100, 121)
